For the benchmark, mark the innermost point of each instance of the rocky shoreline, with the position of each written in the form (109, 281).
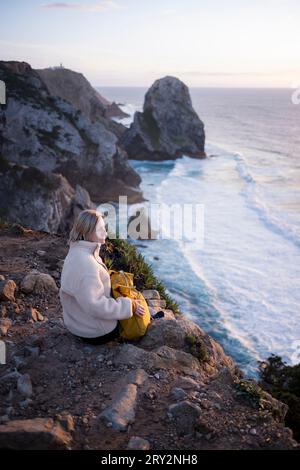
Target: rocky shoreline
(173, 389)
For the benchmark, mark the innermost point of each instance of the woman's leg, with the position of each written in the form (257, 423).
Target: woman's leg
(103, 339)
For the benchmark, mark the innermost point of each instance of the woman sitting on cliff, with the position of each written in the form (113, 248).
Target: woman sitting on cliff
(89, 311)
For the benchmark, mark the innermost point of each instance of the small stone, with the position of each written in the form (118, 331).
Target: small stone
(179, 393)
(151, 394)
(157, 303)
(169, 314)
(38, 283)
(34, 314)
(25, 403)
(17, 308)
(100, 357)
(253, 431)
(5, 324)
(206, 404)
(3, 311)
(187, 383)
(41, 252)
(19, 361)
(9, 410)
(24, 385)
(151, 294)
(7, 290)
(137, 443)
(66, 421)
(4, 419)
(34, 352)
(186, 415)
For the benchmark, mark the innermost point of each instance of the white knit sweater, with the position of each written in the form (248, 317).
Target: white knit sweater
(89, 310)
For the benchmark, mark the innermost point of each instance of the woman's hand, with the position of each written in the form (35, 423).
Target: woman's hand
(138, 309)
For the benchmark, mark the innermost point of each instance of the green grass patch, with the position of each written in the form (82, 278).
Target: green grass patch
(251, 391)
(197, 348)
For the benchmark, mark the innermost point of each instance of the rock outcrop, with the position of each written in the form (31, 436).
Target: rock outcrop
(168, 127)
(34, 434)
(75, 88)
(43, 200)
(44, 131)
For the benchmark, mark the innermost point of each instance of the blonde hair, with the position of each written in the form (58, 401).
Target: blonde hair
(84, 225)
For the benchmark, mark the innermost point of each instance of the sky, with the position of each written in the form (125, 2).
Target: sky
(205, 43)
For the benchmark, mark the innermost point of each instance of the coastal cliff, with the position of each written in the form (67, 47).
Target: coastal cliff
(45, 132)
(173, 389)
(75, 88)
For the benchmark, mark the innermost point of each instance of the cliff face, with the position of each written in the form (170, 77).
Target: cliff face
(43, 200)
(44, 131)
(75, 88)
(168, 127)
(173, 389)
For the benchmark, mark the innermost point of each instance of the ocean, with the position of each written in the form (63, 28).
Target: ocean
(242, 285)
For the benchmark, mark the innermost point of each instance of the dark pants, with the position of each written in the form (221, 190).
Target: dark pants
(103, 339)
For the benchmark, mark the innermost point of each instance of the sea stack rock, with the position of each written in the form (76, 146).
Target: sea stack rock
(168, 127)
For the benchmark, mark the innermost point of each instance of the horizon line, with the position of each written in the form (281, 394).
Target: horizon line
(212, 87)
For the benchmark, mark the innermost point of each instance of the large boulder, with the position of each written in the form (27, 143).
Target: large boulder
(184, 335)
(47, 132)
(37, 283)
(121, 412)
(168, 127)
(33, 434)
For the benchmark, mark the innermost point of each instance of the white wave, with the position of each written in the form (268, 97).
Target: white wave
(255, 199)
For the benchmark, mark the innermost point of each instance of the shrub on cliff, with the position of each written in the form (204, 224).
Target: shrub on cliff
(283, 382)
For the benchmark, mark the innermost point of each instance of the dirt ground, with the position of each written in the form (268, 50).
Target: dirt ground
(70, 378)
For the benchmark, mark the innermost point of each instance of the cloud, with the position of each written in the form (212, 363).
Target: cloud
(93, 7)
